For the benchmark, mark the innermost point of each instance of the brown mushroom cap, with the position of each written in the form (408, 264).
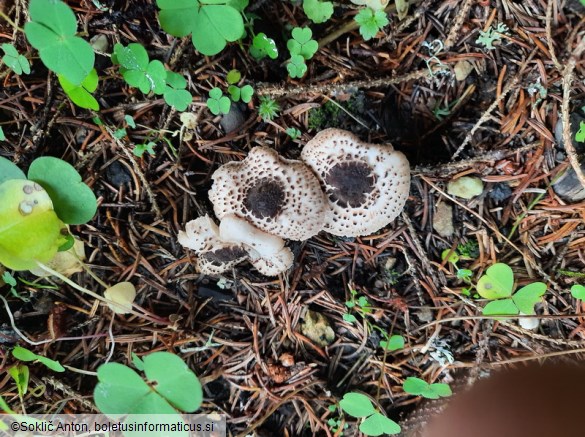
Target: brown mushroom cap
(366, 184)
(279, 196)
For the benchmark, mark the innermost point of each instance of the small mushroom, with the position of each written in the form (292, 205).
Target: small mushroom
(366, 184)
(266, 252)
(215, 256)
(235, 240)
(121, 297)
(276, 195)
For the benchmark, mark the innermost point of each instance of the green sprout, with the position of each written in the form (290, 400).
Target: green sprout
(217, 102)
(371, 22)
(580, 135)
(263, 46)
(375, 422)
(23, 354)
(145, 147)
(268, 108)
(578, 292)
(14, 60)
(419, 387)
(140, 72)
(293, 133)
(237, 93)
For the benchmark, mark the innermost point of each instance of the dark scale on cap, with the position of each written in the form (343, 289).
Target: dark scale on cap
(224, 255)
(350, 183)
(265, 199)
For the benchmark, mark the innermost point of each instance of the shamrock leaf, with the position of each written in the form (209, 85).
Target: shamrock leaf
(175, 93)
(497, 282)
(73, 200)
(371, 22)
(318, 11)
(302, 44)
(14, 60)
(52, 32)
(357, 405)
(378, 424)
(217, 102)
(80, 94)
(528, 296)
(137, 70)
(394, 343)
(501, 307)
(211, 23)
(263, 46)
(580, 135)
(296, 66)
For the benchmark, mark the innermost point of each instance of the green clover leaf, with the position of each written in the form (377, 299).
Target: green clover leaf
(52, 32)
(14, 60)
(394, 343)
(378, 424)
(217, 102)
(211, 23)
(371, 22)
(501, 307)
(318, 11)
(357, 405)
(497, 282)
(263, 46)
(528, 296)
(73, 200)
(80, 94)
(175, 93)
(296, 66)
(302, 44)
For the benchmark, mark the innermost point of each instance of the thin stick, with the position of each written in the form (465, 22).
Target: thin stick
(280, 91)
(18, 331)
(567, 80)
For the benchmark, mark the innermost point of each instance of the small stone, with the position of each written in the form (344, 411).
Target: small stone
(443, 220)
(317, 328)
(466, 187)
(462, 70)
(100, 43)
(234, 119)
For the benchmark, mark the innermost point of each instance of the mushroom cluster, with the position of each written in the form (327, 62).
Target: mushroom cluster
(342, 185)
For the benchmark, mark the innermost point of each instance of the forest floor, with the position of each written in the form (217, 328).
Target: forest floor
(456, 103)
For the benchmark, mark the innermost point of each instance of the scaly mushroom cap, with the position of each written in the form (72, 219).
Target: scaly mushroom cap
(273, 265)
(367, 184)
(215, 256)
(279, 196)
